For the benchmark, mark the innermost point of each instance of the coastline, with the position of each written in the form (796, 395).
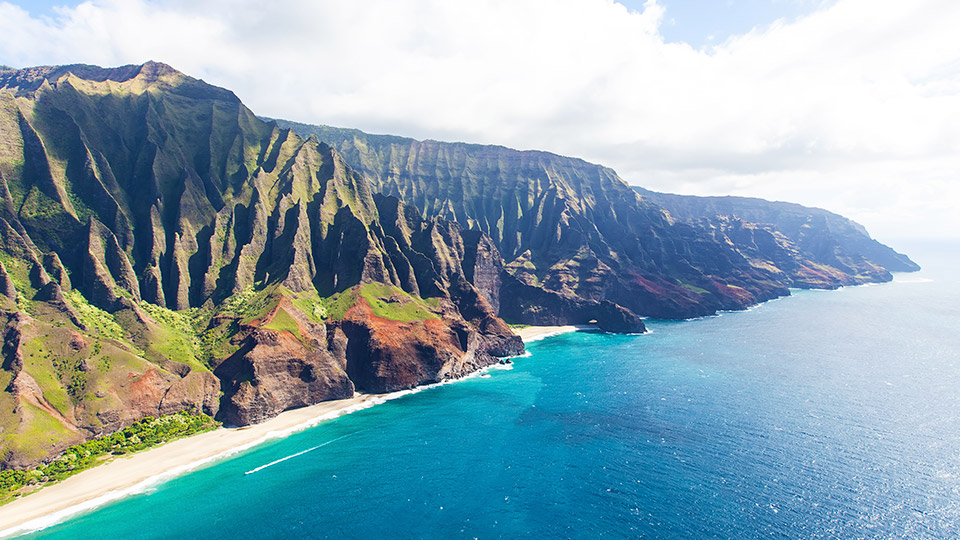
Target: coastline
(529, 334)
(127, 475)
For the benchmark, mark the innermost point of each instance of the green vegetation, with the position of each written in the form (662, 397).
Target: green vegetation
(386, 301)
(144, 434)
(249, 303)
(215, 341)
(174, 337)
(282, 321)
(42, 429)
(215, 326)
(12, 169)
(20, 274)
(180, 322)
(252, 305)
(38, 205)
(308, 302)
(96, 319)
(38, 361)
(336, 306)
(79, 206)
(694, 288)
(394, 303)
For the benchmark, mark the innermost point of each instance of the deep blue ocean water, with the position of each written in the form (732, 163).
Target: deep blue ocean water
(832, 414)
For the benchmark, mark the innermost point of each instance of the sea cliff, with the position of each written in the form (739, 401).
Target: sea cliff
(163, 249)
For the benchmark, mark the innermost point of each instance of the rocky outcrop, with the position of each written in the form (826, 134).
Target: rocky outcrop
(285, 360)
(7, 288)
(198, 391)
(496, 338)
(155, 229)
(275, 370)
(384, 355)
(483, 266)
(12, 338)
(56, 270)
(543, 307)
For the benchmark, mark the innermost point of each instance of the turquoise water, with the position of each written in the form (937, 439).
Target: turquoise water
(826, 414)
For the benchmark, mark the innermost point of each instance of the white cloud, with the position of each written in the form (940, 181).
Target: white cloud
(854, 108)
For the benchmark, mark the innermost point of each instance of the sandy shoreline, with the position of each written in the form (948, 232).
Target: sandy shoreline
(127, 475)
(530, 334)
(131, 474)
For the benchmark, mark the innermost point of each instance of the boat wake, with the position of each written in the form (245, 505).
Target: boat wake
(291, 456)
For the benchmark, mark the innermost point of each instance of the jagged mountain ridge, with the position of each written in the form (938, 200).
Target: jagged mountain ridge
(130, 190)
(576, 229)
(568, 227)
(200, 199)
(163, 248)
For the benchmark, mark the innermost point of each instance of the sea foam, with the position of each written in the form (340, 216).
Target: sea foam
(152, 482)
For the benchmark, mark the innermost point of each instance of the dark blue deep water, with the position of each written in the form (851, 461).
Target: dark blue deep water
(825, 414)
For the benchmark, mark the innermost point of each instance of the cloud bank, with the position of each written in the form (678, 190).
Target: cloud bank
(855, 108)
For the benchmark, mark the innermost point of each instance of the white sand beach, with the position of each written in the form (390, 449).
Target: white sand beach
(530, 334)
(135, 473)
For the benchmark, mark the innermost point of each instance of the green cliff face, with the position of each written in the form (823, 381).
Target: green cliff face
(164, 249)
(569, 231)
(813, 248)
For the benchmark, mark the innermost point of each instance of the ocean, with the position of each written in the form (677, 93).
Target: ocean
(826, 414)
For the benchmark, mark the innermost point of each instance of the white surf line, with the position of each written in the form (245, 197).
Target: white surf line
(281, 460)
(72, 511)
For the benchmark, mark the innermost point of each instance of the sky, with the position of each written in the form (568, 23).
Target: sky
(848, 105)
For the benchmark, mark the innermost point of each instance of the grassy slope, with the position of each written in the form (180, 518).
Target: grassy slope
(282, 322)
(393, 303)
(217, 328)
(79, 371)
